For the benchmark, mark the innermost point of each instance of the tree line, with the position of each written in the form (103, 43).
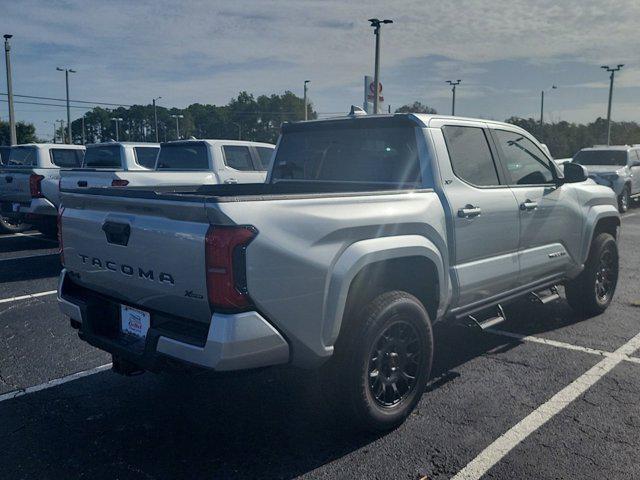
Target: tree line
(259, 119)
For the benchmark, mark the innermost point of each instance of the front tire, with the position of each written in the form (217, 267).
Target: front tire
(592, 291)
(382, 361)
(624, 199)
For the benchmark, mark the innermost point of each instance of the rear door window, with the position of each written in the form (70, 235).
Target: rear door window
(264, 157)
(23, 157)
(4, 155)
(238, 157)
(146, 156)
(107, 156)
(525, 163)
(186, 156)
(471, 157)
(66, 157)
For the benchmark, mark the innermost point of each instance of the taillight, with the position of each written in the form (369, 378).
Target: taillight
(225, 256)
(60, 245)
(35, 185)
(119, 182)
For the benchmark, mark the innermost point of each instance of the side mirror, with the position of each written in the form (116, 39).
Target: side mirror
(574, 173)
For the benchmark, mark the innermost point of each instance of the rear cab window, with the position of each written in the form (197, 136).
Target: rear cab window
(146, 156)
(66, 157)
(382, 151)
(238, 157)
(103, 156)
(23, 157)
(183, 156)
(4, 155)
(264, 157)
(601, 157)
(470, 154)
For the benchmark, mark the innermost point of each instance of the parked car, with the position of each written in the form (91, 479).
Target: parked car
(7, 224)
(367, 232)
(617, 167)
(187, 162)
(29, 182)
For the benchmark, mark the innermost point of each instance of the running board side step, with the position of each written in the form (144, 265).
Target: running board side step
(489, 322)
(543, 299)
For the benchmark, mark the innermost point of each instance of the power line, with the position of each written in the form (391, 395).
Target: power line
(45, 104)
(64, 100)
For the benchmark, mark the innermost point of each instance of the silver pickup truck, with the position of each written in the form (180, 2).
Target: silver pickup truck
(29, 183)
(368, 231)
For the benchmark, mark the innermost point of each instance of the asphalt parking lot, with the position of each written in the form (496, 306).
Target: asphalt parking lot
(548, 395)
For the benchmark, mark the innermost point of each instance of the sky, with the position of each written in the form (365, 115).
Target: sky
(505, 53)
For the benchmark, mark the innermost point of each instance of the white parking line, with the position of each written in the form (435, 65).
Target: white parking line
(20, 234)
(41, 238)
(28, 296)
(536, 419)
(29, 256)
(568, 346)
(54, 383)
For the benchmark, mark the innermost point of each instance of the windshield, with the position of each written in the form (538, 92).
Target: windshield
(349, 152)
(23, 157)
(103, 157)
(186, 156)
(601, 157)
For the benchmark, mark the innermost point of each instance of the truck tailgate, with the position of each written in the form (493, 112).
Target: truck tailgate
(86, 178)
(149, 254)
(14, 185)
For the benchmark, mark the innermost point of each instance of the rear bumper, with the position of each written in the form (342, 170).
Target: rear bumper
(37, 206)
(233, 342)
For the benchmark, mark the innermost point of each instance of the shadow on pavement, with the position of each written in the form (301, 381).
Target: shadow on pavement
(24, 269)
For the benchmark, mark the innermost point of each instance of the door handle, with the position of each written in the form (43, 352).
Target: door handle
(528, 205)
(469, 211)
(231, 180)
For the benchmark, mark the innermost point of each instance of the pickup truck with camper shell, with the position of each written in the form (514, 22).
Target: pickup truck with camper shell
(184, 162)
(368, 230)
(615, 166)
(29, 183)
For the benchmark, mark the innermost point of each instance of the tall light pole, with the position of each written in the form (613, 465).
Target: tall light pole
(553, 87)
(611, 77)
(377, 31)
(117, 120)
(12, 114)
(305, 99)
(453, 90)
(155, 118)
(67, 71)
(177, 117)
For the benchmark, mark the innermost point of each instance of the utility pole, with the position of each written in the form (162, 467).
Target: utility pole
(155, 118)
(61, 130)
(117, 120)
(611, 77)
(12, 114)
(177, 117)
(377, 31)
(553, 87)
(453, 90)
(84, 140)
(67, 71)
(305, 99)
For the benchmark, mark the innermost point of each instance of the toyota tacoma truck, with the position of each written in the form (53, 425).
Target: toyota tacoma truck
(185, 162)
(617, 167)
(29, 183)
(368, 231)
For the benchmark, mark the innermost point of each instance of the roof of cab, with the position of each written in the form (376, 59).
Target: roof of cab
(52, 145)
(124, 144)
(219, 141)
(610, 147)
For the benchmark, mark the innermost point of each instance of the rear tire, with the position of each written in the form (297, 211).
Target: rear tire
(10, 225)
(382, 362)
(624, 200)
(592, 291)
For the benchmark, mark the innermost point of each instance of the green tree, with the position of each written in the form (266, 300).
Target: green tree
(25, 133)
(416, 107)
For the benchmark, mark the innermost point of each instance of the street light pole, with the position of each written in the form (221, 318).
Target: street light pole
(67, 71)
(117, 120)
(305, 99)
(453, 90)
(12, 114)
(177, 117)
(611, 77)
(553, 87)
(155, 117)
(377, 31)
